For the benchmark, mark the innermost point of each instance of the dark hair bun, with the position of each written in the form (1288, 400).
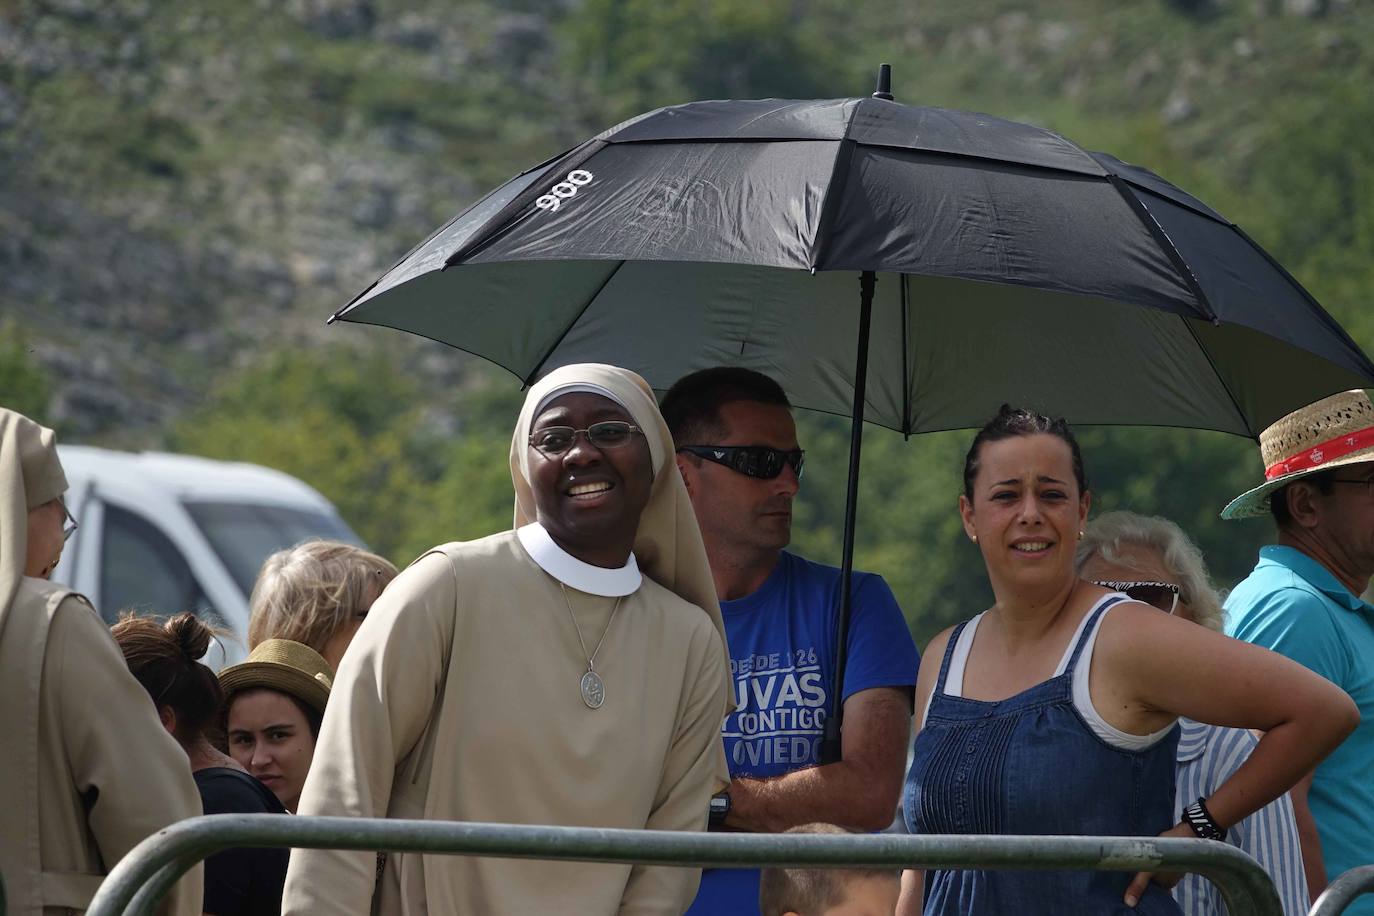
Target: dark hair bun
(192, 635)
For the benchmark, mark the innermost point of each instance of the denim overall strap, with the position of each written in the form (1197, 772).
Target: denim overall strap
(944, 664)
(1094, 616)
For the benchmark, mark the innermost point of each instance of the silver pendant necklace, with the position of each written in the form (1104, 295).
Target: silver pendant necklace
(591, 685)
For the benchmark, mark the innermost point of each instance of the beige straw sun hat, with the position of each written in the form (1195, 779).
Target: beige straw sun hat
(1330, 433)
(292, 668)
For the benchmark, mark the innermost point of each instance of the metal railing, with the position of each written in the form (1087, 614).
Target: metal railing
(1340, 893)
(151, 868)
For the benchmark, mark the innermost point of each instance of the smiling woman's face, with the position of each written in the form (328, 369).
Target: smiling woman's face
(587, 498)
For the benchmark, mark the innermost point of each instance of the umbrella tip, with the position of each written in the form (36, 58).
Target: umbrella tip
(884, 90)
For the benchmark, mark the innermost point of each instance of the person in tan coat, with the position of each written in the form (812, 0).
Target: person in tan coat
(88, 771)
(571, 671)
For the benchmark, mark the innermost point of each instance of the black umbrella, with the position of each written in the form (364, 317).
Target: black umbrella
(996, 261)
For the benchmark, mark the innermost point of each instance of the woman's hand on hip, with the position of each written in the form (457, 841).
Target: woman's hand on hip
(1165, 880)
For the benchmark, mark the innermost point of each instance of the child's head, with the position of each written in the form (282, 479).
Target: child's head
(828, 891)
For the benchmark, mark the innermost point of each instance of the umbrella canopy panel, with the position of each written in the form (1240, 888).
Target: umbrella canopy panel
(1013, 266)
(944, 353)
(712, 202)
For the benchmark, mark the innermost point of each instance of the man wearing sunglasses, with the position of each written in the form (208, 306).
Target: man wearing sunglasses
(738, 454)
(1303, 600)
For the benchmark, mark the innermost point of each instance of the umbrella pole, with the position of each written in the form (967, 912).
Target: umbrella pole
(831, 745)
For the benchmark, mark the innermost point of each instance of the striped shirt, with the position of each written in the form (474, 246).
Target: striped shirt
(1207, 756)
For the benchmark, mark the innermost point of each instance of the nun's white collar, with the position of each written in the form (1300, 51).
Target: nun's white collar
(574, 573)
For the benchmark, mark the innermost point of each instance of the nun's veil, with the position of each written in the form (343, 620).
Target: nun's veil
(668, 546)
(30, 475)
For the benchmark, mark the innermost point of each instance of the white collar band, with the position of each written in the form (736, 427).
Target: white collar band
(568, 569)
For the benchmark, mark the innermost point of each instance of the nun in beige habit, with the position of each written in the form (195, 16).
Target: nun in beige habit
(570, 671)
(86, 769)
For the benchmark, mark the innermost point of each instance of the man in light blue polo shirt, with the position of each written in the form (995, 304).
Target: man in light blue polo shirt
(1302, 601)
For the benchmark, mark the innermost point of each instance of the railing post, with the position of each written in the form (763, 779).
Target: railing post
(146, 900)
(1340, 893)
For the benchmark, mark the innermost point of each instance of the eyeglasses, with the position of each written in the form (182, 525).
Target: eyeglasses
(555, 440)
(69, 526)
(1367, 483)
(750, 460)
(1163, 595)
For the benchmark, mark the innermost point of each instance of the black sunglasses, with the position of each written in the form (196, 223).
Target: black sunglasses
(555, 440)
(1163, 595)
(750, 460)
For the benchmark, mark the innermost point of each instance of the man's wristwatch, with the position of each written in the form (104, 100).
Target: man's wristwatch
(720, 807)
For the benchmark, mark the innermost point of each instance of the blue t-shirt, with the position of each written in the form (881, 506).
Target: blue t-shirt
(782, 658)
(1293, 605)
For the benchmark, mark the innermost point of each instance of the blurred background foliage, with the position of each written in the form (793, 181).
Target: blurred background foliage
(187, 190)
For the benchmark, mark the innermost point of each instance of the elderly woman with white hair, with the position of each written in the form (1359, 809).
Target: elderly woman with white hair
(1153, 561)
(569, 671)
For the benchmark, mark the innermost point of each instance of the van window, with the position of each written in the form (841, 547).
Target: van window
(142, 570)
(244, 535)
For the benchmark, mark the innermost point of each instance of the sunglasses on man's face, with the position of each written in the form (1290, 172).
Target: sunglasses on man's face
(751, 460)
(1163, 595)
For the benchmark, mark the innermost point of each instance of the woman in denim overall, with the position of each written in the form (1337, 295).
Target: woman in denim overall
(1004, 768)
(1012, 739)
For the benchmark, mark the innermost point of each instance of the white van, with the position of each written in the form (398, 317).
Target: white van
(162, 533)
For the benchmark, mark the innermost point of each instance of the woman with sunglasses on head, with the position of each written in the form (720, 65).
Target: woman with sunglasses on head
(570, 671)
(86, 770)
(1054, 711)
(1152, 561)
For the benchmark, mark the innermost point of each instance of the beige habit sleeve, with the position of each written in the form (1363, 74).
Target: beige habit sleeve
(378, 708)
(694, 770)
(135, 777)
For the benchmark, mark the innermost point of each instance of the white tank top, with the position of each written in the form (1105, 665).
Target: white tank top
(1082, 696)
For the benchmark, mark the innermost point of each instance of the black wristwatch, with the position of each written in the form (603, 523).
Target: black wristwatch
(720, 808)
(1204, 826)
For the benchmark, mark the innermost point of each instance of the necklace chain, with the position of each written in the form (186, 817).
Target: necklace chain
(591, 659)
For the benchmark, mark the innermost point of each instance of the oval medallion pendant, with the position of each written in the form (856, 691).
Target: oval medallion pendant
(593, 691)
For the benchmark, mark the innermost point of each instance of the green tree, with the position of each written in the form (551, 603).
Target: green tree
(909, 529)
(344, 421)
(472, 495)
(24, 385)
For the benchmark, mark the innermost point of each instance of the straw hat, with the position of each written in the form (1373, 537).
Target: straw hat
(291, 667)
(1333, 432)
